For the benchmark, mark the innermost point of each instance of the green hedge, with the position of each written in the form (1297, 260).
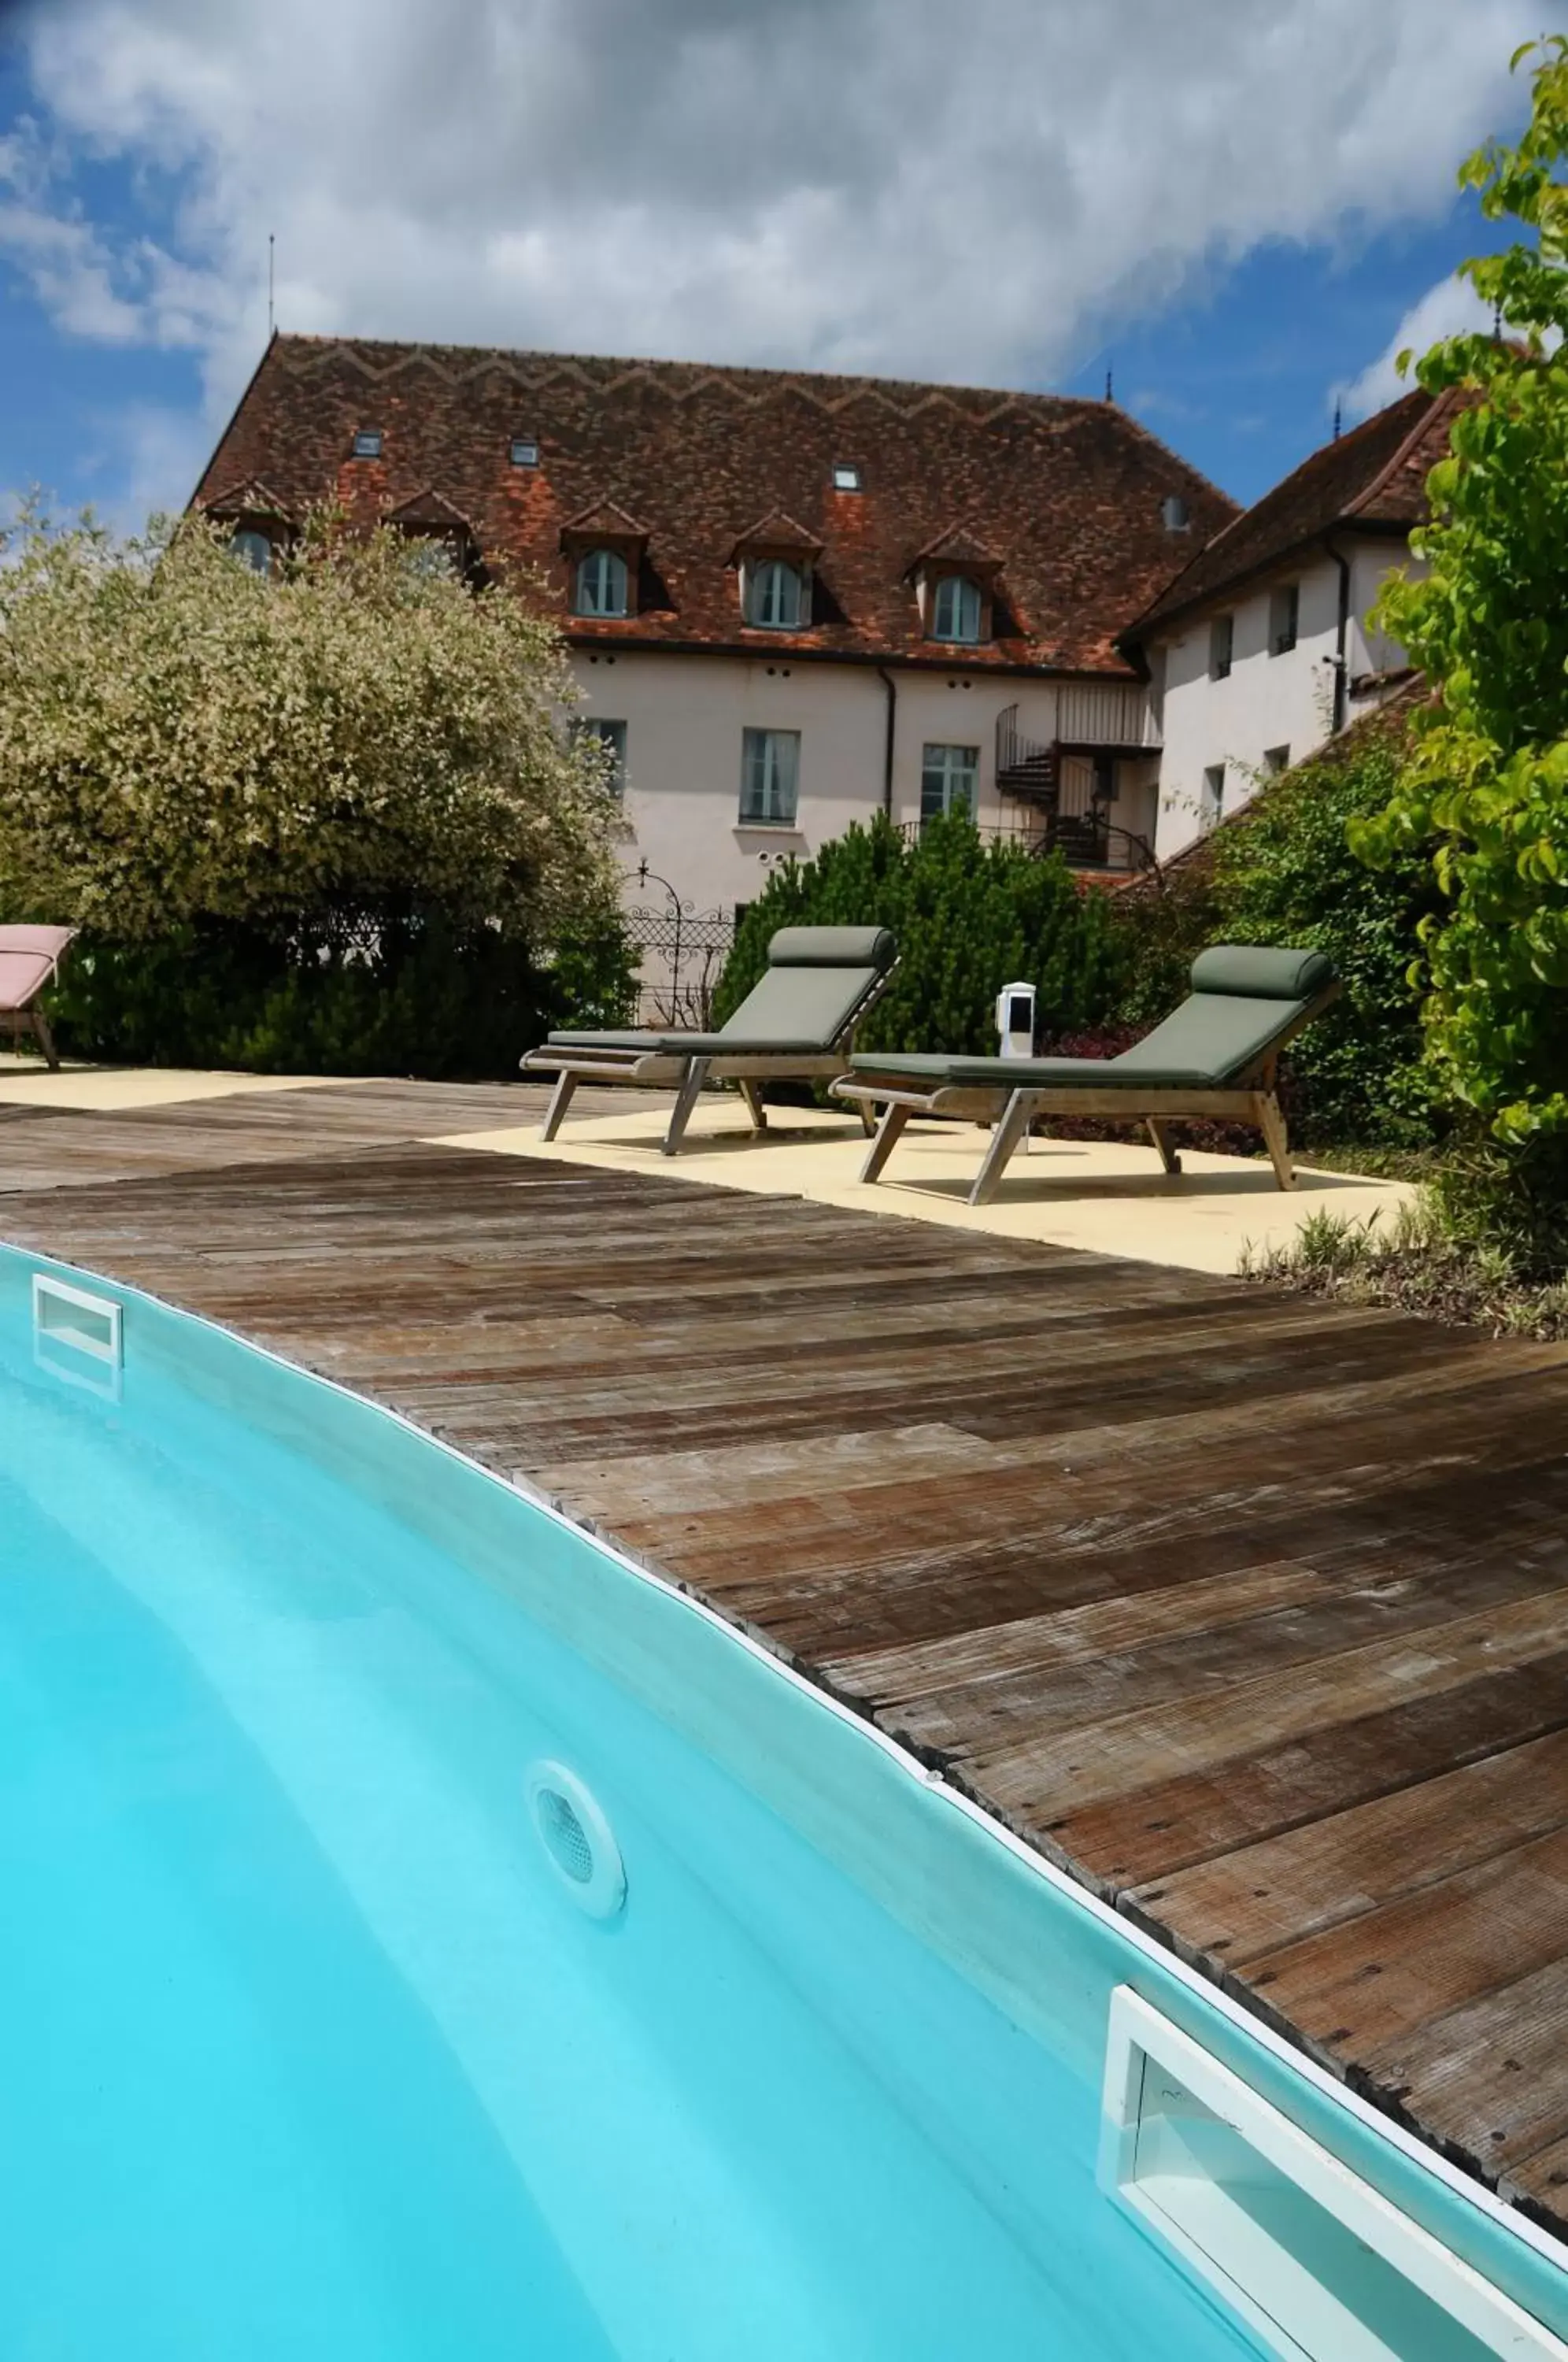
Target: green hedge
(968, 916)
(1285, 874)
(408, 995)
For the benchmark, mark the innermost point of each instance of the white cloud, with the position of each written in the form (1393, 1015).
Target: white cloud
(885, 184)
(1452, 308)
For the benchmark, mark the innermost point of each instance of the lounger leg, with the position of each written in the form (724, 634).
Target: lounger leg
(1004, 1140)
(561, 1099)
(1160, 1133)
(685, 1100)
(752, 1094)
(45, 1033)
(867, 1114)
(894, 1118)
(1271, 1123)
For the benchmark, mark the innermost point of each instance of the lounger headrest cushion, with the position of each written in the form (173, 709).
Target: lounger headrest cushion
(831, 947)
(48, 941)
(1253, 973)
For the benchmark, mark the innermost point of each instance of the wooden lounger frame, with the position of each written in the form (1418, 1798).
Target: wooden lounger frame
(16, 1023)
(1252, 1099)
(667, 1069)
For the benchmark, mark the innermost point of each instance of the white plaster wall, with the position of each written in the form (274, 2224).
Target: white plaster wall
(685, 717)
(1267, 700)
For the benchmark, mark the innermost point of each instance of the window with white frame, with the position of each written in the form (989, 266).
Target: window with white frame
(770, 776)
(955, 609)
(1284, 618)
(1222, 647)
(601, 583)
(612, 735)
(1213, 803)
(776, 601)
(949, 781)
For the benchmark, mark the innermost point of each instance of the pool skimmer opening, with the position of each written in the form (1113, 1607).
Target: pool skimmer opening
(578, 1839)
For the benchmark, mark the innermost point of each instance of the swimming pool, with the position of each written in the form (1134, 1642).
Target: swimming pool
(428, 1936)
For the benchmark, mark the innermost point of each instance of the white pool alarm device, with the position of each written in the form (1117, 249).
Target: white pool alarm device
(1015, 1020)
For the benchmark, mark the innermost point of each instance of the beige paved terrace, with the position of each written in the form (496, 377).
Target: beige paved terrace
(1108, 1198)
(120, 1091)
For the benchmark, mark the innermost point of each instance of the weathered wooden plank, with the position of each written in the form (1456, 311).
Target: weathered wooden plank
(1493, 2073)
(1049, 1777)
(1369, 1987)
(1265, 1896)
(1199, 1584)
(1190, 1818)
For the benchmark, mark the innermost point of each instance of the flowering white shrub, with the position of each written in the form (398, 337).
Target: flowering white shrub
(182, 739)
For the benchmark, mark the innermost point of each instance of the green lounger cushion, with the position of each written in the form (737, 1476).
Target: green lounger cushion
(1243, 999)
(1015, 1073)
(684, 1045)
(1253, 972)
(871, 947)
(815, 980)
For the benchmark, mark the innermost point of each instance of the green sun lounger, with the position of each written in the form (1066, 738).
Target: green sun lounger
(1216, 1056)
(797, 1023)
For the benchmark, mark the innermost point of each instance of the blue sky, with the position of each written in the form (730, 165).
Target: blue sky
(1237, 227)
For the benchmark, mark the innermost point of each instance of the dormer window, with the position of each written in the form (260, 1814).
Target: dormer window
(604, 550)
(777, 595)
(601, 583)
(955, 609)
(955, 579)
(368, 443)
(774, 559)
(253, 549)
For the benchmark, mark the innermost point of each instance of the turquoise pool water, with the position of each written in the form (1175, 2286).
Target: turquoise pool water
(307, 2047)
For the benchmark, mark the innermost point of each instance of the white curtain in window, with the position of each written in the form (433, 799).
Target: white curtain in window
(601, 583)
(949, 781)
(776, 595)
(957, 610)
(770, 764)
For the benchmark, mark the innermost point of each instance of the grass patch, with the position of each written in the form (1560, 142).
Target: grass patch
(1371, 1164)
(1410, 1262)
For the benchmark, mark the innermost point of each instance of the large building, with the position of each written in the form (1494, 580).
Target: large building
(1264, 646)
(791, 600)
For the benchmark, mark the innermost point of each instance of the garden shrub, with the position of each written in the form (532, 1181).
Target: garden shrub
(330, 818)
(969, 916)
(421, 997)
(1284, 873)
(1487, 773)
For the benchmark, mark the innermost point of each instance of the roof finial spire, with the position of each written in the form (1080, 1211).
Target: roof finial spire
(271, 280)
(1108, 395)
(1339, 416)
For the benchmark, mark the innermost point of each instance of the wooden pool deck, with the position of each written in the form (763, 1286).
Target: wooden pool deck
(1249, 1610)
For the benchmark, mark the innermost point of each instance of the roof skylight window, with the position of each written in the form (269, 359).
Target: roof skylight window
(524, 452)
(847, 477)
(368, 443)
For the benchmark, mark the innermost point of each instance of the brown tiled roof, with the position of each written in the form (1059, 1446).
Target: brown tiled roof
(778, 530)
(250, 499)
(428, 507)
(959, 546)
(607, 517)
(1375, 476)
(1065, 494)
